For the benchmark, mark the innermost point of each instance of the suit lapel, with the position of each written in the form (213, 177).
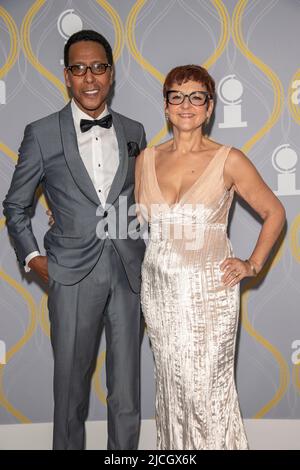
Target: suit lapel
(72, 156)
(121, 173)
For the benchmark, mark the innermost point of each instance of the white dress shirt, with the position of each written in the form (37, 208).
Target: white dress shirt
(99, 151)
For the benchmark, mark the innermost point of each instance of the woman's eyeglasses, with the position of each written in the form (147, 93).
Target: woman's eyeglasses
(196, 98)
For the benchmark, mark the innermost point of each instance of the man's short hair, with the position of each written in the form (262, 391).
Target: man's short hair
(88, 35)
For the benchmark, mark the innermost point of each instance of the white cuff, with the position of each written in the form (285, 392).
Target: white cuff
(29, 258)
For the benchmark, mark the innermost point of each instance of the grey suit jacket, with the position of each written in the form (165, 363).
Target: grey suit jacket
(49, 156)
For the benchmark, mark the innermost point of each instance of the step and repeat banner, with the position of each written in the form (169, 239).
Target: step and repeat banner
(252, 50)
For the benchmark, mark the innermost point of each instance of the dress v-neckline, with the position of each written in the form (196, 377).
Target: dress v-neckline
(191, 187)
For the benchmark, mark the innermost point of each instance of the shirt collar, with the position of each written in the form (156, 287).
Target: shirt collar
(78, 114)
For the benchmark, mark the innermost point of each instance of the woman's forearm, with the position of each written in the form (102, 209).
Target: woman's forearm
(270, 231)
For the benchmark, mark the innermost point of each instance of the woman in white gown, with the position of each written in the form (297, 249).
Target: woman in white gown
(190, 276)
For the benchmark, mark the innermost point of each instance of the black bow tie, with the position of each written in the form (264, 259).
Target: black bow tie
(87, 124)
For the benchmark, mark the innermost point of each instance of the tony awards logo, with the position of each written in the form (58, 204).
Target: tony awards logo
(284, 160)
(68, 23)
(230, 90)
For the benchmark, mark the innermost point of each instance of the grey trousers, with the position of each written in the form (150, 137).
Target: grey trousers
(77, 314)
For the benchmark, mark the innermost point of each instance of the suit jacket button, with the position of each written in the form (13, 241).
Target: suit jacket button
(105, 214)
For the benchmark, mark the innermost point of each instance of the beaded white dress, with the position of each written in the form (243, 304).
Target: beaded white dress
(191, 316)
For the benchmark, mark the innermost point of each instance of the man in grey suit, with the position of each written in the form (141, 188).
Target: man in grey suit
(84, 158)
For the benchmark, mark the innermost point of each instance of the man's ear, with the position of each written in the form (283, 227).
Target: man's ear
(112, 74)
(67, 80)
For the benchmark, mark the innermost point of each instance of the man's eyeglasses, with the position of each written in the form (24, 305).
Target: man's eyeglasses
(81, 69)
(196, 98)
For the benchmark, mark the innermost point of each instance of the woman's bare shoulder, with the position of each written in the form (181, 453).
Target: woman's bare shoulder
(239, 165)
(236, 156)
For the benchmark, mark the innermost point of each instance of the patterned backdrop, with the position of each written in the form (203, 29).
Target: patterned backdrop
(252, 50)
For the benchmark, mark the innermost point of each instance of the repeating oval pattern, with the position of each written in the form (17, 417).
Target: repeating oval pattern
(148, 38)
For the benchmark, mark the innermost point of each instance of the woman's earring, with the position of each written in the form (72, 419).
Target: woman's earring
(167, 116)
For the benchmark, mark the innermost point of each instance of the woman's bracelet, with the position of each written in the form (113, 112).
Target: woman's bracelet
(252, 267)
